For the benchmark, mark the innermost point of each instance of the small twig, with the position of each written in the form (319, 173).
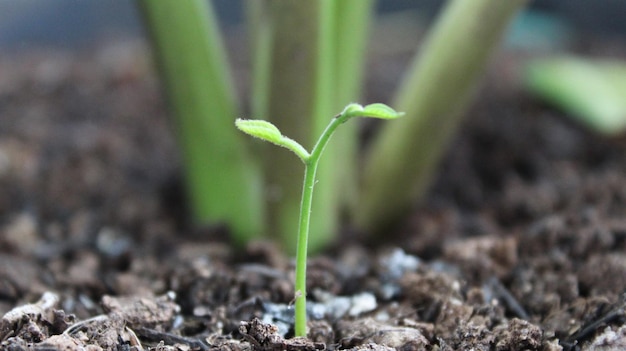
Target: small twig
(154, 335)
(134, 340)
(77, 326)
(502, 293)
(616, 311)
(253, 303)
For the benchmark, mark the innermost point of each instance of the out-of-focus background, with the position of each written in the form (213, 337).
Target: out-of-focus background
(80, 23)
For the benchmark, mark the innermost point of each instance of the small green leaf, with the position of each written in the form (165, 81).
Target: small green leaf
(265, 130)
(352, 110)
(260, 129)
(379, 110)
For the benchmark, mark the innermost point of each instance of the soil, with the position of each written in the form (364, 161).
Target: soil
(519, 245)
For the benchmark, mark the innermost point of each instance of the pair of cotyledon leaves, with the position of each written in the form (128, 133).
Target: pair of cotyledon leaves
(267, 131)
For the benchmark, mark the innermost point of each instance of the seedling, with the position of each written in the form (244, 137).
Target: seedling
(267, 131)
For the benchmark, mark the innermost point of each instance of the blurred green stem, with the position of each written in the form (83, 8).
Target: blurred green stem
(307, 57)
(351, 21)
(434, 94)
(223, 184)
(285, 47)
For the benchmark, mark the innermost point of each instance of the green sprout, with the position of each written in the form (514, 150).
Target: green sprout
(267, 131)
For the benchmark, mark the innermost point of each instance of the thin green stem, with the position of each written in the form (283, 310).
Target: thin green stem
(325, 137)
(305, 216)
(302, 247)
(297, 149)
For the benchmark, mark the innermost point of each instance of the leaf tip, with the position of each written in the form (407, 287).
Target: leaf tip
(260, 129)
(376, 110)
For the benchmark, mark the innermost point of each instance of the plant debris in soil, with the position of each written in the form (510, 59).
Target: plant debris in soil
(520, 245)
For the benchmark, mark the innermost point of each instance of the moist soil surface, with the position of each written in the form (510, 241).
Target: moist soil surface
(520, 243)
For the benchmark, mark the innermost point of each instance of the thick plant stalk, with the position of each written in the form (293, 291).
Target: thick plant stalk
(437, 89)
(351, 27)
(260, 31)
(300, 77)
(284, 95)
(326, 203)
(222, 182)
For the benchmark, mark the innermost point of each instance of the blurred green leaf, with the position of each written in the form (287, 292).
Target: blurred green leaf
(592, 91)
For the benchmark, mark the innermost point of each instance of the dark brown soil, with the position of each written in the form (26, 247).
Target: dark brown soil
(520, 245)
